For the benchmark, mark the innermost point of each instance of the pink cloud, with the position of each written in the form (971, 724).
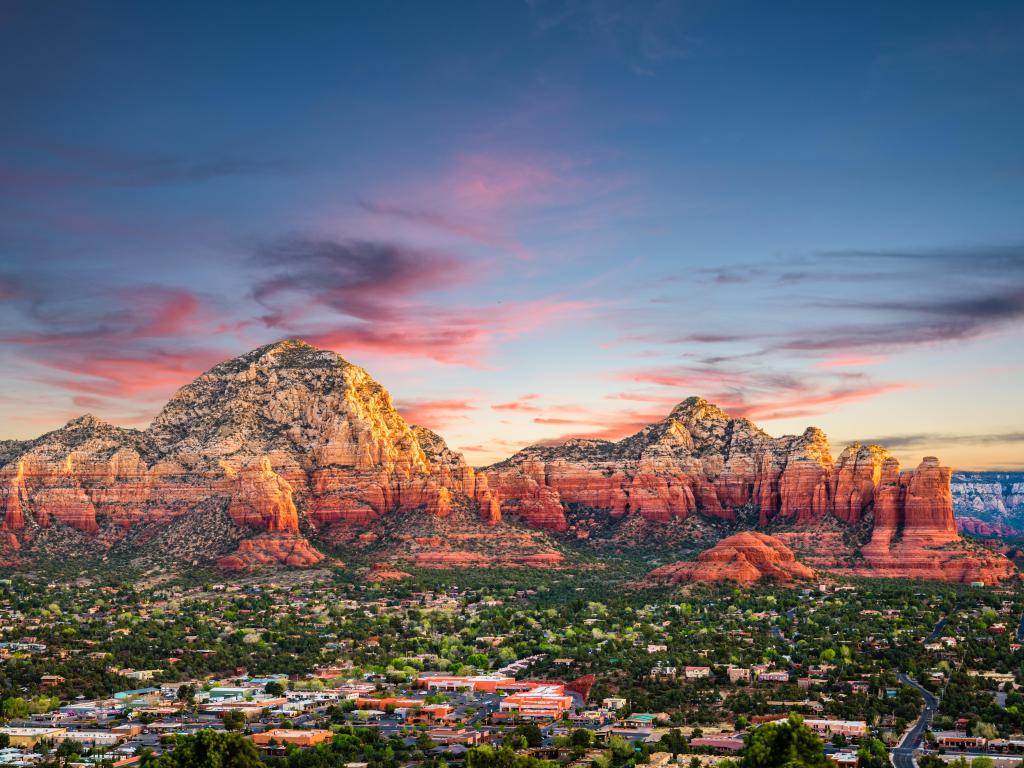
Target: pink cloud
(491, 182)
(435, 414)
(521, 404)
(851, 362)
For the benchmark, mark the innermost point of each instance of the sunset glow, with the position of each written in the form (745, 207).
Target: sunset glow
(528, 221)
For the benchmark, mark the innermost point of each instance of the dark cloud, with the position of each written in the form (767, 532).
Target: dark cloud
(360, 279)
(928, 439)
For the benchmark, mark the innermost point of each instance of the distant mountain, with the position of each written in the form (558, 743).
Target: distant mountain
(290, 454)
(992, 497)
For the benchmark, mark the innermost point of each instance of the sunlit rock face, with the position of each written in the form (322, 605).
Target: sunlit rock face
(290, 444)
(744, 558)
(700, 461)
(286, 437)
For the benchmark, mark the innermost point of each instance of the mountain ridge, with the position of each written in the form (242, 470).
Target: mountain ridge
(294, 447)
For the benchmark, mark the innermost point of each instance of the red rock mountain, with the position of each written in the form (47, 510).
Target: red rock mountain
(284, 434)
(289, 445)
(745, 558)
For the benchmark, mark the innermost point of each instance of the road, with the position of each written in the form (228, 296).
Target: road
(941, 625)
(903, 754)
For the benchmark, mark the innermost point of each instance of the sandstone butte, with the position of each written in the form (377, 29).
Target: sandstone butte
(290, 443)
(746, 557)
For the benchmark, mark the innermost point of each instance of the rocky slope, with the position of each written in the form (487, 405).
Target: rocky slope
(745, 558)
(288, 439)
(272, 456)
(987, 530)
(700, 461)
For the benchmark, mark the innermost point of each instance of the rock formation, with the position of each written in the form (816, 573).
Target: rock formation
(745, 558)
(985, 529)
(700, 461)
(290, 445)
(288, 439)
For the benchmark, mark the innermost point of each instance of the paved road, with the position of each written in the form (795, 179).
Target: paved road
(903, 754)
(941, 625)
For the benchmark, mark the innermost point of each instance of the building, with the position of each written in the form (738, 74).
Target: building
(478, 683)
(844, 759)
(640, 720)
(299, 738)
(958, 739)
(848, 728)
(613, 703)
(696, 673)
(544, 701)
(27, 738)
(729, 744)
(737, 674)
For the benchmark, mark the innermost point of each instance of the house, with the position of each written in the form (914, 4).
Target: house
(613, 703)
(640, 720)
(696, 673)
(729, 744)
(736, 674)
(848, 728)
(958, 739)
(844, 759)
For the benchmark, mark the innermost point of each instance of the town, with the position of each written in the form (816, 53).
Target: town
(479, 668)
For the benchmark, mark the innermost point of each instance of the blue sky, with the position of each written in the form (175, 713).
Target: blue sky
(528, 219)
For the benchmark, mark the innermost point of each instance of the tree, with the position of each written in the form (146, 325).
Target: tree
(274, 688)
(5, 741)
(673, 741)
(187, 693)
(873, 754)
(234, 720)
(787, 743)
(983, 761)
(620, 747)
(15, 708)
(582, 737)
(530, 732)
(207, 749)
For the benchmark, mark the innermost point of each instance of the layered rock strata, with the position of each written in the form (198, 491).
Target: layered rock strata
(744, 558)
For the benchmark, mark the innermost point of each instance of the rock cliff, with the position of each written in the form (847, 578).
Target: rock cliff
(700, 461)
(995, 497)
(288, 439)
(290, 447)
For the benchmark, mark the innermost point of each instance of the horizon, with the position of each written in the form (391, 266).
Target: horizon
(529, 221)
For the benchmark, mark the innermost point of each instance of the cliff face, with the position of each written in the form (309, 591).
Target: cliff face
(290, 443)
(285, 438)
(699, 460)
(995, 497)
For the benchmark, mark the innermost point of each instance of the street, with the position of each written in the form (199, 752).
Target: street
(903, 754)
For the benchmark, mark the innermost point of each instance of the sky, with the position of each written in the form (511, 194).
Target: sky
(528, 220)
